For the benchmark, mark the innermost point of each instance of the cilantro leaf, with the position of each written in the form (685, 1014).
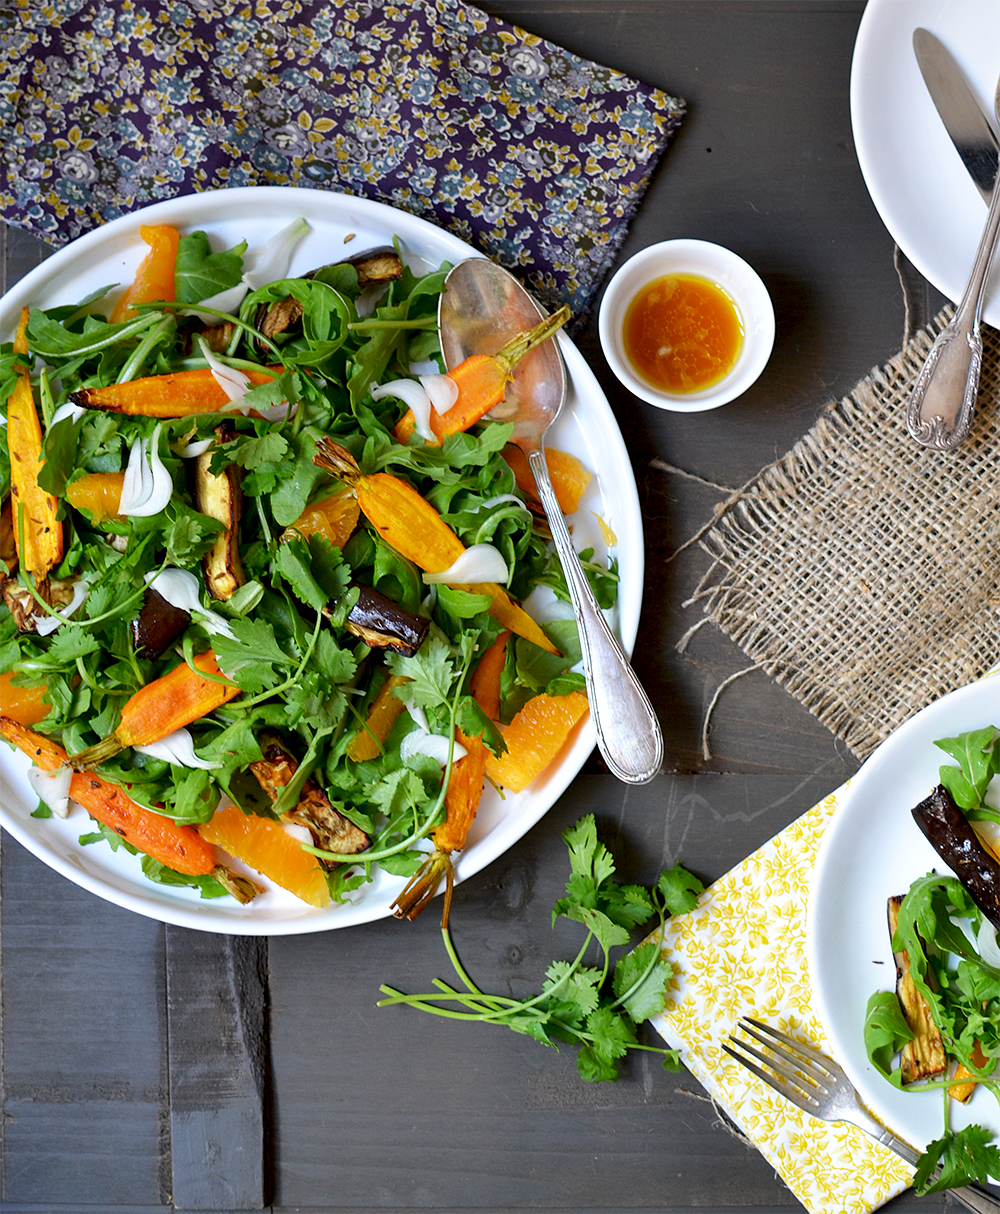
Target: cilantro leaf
(966, 1157)
(642, 993)
(680, 890)
(431, 672)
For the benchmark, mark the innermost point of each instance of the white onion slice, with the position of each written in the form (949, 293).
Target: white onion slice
(52, 788)
(415, 397)
(425, 366)
(422, 742)
(147, 486)
(177, 748)
(989, 947)
(502, 498)
(74, 412)
(442, 390)
(45, 625)
(268, 264)
(193, 450)
(231, 380)
(480, 563)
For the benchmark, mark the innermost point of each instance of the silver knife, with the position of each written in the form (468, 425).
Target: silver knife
(960, 112)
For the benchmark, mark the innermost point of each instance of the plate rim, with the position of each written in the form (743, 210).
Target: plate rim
(846, 1041)
(431, 243)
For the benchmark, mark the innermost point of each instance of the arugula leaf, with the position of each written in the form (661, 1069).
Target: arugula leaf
(978, 756)
(200, 273)
(886, 1030)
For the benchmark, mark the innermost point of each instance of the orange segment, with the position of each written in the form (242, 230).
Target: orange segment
(267, 847)
(568, 475)
(25, 705)
(98, 492)
(534, 738)
(334, 518)
(155, 277)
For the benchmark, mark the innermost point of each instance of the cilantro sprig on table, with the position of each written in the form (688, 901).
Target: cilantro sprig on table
(594, 1007)
(938, 929)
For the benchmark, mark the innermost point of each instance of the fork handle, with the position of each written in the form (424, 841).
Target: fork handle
(973, 1199)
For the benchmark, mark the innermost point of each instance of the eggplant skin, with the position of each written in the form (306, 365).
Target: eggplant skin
(157, 625)
(949, 833)
(383, 624)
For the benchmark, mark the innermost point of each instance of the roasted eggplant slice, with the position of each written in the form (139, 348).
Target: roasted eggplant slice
(373, 266)
(329, 828)
(924, 1056)
(221, 497)
(57, 592)
(948, 831)
(383, 624)
(157, 625)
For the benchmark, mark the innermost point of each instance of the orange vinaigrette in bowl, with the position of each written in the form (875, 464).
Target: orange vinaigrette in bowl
(682, 333)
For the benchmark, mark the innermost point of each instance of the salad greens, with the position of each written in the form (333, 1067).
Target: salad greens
(281, 637)
(941, 931)
(596, 1008)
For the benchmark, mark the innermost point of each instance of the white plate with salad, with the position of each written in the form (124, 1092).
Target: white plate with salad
(873, 850)
(339, 226)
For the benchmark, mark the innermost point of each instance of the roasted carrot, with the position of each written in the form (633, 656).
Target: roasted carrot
(155, 277)
(411, 525)
(367, 743)
(25, 705)
(37, 531)
(482, 381)
(485, 684)
(962, 1092)
(178, 847)
(180, 394)
(163, 706)
(97, 492)
(461, 799)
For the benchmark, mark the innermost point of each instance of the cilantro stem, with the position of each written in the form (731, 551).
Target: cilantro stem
(290, 682)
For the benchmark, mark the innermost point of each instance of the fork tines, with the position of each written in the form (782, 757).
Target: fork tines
(795, 1070)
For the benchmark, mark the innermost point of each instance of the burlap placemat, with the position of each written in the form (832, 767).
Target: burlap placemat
(862, 571)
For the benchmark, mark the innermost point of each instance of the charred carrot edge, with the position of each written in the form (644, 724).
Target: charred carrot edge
(34, 514)
(178, 847)
(411, 525)
(155, 278)
(180, 394)
(482, 381)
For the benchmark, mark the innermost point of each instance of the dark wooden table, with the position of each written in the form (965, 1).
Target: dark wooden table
(359, 1109)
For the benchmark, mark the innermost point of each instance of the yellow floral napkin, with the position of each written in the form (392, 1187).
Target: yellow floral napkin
(742, 952)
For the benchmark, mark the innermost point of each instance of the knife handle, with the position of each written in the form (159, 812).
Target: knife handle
(940, 409)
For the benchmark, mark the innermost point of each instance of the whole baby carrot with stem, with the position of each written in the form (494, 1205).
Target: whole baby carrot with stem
(482, 381)
(163, 706)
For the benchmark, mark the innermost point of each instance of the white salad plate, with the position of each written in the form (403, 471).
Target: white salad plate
(919, 185)
(871, 851)
(587, 429)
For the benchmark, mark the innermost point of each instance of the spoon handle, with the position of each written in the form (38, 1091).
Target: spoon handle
(939, 413)
(628, 732)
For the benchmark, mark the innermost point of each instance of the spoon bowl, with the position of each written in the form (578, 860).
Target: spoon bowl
(481, 309)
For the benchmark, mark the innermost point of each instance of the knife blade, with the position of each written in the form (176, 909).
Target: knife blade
(960, 112)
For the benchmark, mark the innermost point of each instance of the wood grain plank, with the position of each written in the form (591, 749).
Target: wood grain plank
(219, 1070)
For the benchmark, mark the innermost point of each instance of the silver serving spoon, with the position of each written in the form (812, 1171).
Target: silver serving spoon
(481, 309)
(939, 413)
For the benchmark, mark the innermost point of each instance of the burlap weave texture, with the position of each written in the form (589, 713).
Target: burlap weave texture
(862, 571)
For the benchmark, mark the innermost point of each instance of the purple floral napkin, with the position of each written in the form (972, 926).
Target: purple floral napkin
(534, 155)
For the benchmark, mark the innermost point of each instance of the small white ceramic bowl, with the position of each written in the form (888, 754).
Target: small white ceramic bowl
(727, 271)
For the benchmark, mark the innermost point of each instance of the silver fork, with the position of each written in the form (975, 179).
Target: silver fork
(815, 1083)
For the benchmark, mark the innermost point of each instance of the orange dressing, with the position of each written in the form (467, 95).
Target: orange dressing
(682, 333)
